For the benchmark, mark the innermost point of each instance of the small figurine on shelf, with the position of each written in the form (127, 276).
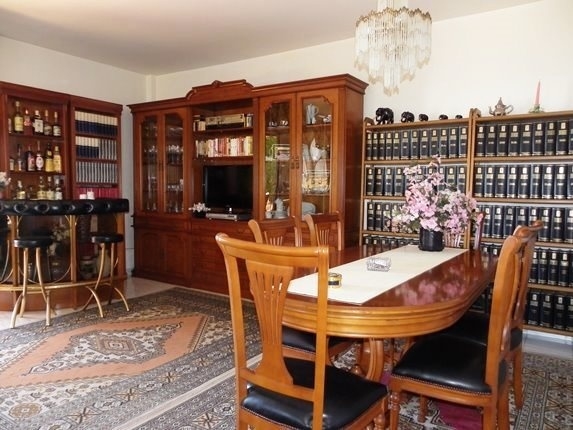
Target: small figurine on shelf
(500, 109)
(536, 106)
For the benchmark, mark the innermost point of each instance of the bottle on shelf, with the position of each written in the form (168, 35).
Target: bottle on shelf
(49, 158)
(50, 190)
(39, 159)
(10, 126)
(12, 165)
(30, 160)
(20, 162)
(20, 191)
(56, 126)
(47, 124)
(18, 120)
(58, 188)
(41, 194)
(27, 122)
(38, 123)
(57, 160)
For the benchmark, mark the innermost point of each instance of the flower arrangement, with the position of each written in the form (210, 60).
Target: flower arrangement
(200, 207)
(4, 180)
(432, 204)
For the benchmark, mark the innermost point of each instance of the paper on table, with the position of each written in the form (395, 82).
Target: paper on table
(360, 285)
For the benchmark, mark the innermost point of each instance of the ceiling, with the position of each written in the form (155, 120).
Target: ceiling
(158, 37)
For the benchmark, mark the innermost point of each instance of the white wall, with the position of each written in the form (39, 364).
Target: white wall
(475, 60)
(26, 64)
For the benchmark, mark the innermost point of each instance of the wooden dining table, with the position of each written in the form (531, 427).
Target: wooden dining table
(426, 303)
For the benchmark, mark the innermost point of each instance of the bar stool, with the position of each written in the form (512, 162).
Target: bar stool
(27, 244)
(102, 240)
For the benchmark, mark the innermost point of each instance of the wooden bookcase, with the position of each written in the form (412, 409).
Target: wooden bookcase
(518, 167)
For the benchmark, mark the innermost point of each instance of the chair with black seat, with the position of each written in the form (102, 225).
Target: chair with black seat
(36, 244)
(284, 392)
(106, 272)
(459, 370)
(296, 343)
(474, 325)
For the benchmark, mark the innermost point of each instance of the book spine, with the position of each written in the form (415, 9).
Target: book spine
(542, 267)
(548, 180)
(434, 142)
(370, 215)
(536, 181)
(511, 182)
(488, 181)
(546, 317)
(487, 220)
(543, 234)
(415, 145)
(508, 220)
(502, 139)
(553, 268)
(369, 181)
(526, 142)
(497, 227)
(369, 145)
(405, 145)
(389, 181)
(557, 227)
(550, 147)
(463, 137)
(534, 272)
(424, 144)
(378, 218)
(563, 275)
(478, 181)
(453, 142)
(538, 145)
(560, 185)
(568, 233)
(461, 178)
(396, 145)
(443, 144)
(559, 312)
(399, 180)
(387, 217)
(388, 145)
(562, 140)
(533, 308)
(500, 181)
(491, 141)
(378, 181)
(480, 140)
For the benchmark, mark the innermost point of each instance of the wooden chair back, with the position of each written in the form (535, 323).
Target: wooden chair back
(456, 240)
(270, 269)
(323, 228)
(281, 231)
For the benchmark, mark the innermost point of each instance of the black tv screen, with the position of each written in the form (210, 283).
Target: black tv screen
(228, 188)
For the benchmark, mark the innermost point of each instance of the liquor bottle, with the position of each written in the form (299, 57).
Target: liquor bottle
(27, 122)
(56, 127)
(50, 191)
(47, 124)
(57, 160)
(20, 162)
(58, 192)
(38, 123)
(41, 195)
(49, 158)
(30, 160)
(39, 159)
(18, 121)
(20, 191)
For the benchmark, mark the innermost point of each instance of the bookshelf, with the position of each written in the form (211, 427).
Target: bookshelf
(518, 167)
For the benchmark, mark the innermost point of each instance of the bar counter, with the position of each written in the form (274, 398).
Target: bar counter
(70, 262)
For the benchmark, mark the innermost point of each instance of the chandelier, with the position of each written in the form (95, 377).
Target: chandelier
(391, 43)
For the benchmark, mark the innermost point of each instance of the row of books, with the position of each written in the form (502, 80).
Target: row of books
(224, 147)
(500, 221)
(524, 181)
(95, 147)
(390, 180)
(387, 242)
(96, 172)
(94, 123)
(544, 137)
(414, 144)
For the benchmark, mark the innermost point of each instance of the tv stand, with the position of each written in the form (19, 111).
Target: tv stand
(229, 216)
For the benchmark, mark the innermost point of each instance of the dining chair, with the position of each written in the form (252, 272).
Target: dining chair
(474, 325)
(285, 392)
(456, 240)
(459, 370)
(324, 227)
(296, 343)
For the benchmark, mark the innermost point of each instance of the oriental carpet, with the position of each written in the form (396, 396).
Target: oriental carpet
(168, 364)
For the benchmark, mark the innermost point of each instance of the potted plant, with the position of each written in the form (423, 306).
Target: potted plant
(433, 207)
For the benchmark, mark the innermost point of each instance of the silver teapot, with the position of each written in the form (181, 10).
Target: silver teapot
(500, 109)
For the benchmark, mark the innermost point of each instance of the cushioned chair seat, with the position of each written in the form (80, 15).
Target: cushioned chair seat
(299, 339)
(340, 405)
(474, 326)
(449, 361)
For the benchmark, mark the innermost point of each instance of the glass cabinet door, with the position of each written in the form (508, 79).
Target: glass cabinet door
(150, 169)
(173, 163)
(316, 117)
(278, 160)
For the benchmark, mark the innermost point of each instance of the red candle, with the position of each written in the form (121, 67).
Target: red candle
(537, 94)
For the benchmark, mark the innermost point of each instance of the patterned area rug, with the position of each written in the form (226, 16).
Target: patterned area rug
(168, 365)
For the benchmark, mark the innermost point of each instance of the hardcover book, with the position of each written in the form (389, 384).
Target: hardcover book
(536, 181)
(487, 220)
(378, 217)
(463, 136)
(396, 145)
(369, 145)
(543, 234)
(443, 144)
(451, 176)
(557, 227)
(521, 216)
(378, 181)
(563, 276)
(491, 141)
(369, 181)
(461, 178)
(523, 181)
(453, 142)
(405, 142)
(497, 226)
(508, 220)
(526, 141)
(388, 145)
(424, 144)
(511, 190)
(514, 139)
(377, 145)
(399, 181)
(553, 268)
(534, 273)
(542, 267)
(415, 145)
(478, 181)
(488, 181)
(538, 146)
(546, 318)
(500, 181)
(562, 139)
(569, 313)
(370, 215)
(559, 308)
(568, 233)
(389, 181)
(533, 308)
(547, 181)
(502, 139)
(434, 142)
(550, 138)
(560, 185)
(480, 140)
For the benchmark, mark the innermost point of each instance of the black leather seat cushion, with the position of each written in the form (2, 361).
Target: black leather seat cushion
(448, 361)
(346, 396)
(474, 326)
(33, 242)
(306, 341)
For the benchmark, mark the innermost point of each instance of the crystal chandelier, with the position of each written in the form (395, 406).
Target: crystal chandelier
(391, 43)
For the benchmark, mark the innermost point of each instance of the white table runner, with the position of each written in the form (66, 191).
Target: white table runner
(360, 285)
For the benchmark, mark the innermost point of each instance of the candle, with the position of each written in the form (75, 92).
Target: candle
(537, 94)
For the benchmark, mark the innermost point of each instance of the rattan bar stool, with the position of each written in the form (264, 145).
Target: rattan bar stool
(107, 241)
(27, 244)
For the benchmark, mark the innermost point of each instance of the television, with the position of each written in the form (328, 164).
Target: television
(228, 188)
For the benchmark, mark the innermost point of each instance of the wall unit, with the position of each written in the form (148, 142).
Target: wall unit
(78, 140)
(229, 124)
(518, 167)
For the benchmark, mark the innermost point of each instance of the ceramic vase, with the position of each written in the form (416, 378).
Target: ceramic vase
(431, 240)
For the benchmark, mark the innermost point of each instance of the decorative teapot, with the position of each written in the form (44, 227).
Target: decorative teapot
(500, 109)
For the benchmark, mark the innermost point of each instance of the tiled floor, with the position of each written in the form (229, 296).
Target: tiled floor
(535, 342)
